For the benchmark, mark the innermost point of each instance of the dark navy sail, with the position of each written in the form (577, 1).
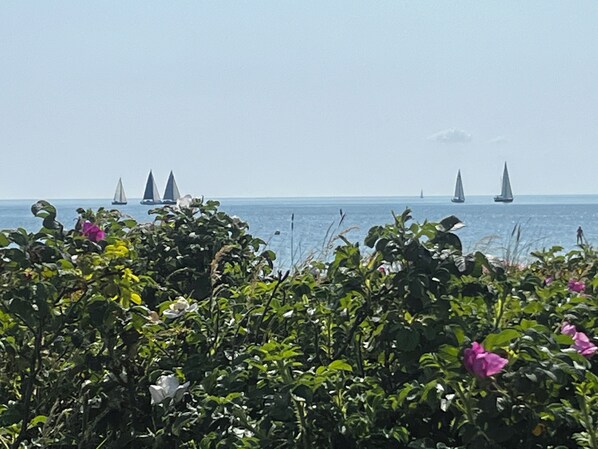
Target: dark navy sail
(459, 194)
(151, 195)
(171, 193)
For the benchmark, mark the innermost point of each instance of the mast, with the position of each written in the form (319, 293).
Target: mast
(151, 195)
(171, 193)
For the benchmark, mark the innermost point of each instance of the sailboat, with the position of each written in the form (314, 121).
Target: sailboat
(421, 194)
(119, 195)
(506, 194)
(459, 196)
(171, 194)
(151, 195)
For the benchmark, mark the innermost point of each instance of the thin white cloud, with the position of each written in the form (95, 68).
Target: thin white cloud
(451, 136)
(499, 140)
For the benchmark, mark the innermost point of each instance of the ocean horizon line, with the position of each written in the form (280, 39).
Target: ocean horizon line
(317, 197)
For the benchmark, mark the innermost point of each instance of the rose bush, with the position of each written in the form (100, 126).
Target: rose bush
(181, 333)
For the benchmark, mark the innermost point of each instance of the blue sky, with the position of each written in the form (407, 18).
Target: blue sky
(297, 98)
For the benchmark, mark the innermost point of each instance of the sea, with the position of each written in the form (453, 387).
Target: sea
(299, 229)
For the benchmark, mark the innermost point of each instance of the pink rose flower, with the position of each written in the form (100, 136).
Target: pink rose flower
(576, 286)
(482, 363)
(568, 329)
(92, 231)
(581, 342)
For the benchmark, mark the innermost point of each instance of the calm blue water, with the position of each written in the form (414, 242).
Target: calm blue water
(545, 220)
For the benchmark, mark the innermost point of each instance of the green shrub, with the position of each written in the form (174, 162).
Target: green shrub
(182, 334)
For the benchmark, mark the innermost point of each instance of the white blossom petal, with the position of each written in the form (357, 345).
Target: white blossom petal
(178, 308)
(180, 391)
(169, 384)
(157, 394)
(184, 202)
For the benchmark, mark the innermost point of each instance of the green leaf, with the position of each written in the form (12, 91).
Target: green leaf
(23, 309)
(50, 223)
(407, 339)
(129, 223)
(37, 420)
(459, 333)
(19, 237)
(340, 365)
(449, 223)
(563, 339)
(43, 209)
(527, 324)
(499, 340)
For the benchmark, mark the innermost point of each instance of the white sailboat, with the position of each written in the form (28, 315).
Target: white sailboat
(506, 194)
(459, 196)
(119, 195)
(151, 195)
(171, 193)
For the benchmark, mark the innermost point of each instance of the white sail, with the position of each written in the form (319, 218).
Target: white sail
(119, 194)
(151, 195)
(506, 194)
(459, 196)
(171, 193)
(506, 191)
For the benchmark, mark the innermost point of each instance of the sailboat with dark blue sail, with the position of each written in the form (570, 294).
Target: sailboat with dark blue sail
(459, 196)
(171, 193)
(151, 195)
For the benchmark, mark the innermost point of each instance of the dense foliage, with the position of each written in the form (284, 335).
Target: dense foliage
(181, 334)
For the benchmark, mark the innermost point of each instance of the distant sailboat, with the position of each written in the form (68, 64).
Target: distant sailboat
(171, 194)
(421, 194)
(151, 195)
(119, 195)
(459, 194)
(506, 194)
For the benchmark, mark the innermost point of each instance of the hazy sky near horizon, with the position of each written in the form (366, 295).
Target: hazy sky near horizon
(298, 98)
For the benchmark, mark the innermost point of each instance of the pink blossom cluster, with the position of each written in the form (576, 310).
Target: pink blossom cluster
(576, 286)
(92, 231)
(581, 342)
(482, 363)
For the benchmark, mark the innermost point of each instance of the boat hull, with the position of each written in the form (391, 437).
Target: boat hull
(498, 199)
(150, 202)
(119, 203)
(168, 202)
(457, 200)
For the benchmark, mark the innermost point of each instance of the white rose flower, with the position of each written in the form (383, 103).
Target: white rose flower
(184, 202)
(178, 308)
(167, 387)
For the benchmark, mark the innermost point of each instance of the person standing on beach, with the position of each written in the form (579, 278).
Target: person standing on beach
(579, 236)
